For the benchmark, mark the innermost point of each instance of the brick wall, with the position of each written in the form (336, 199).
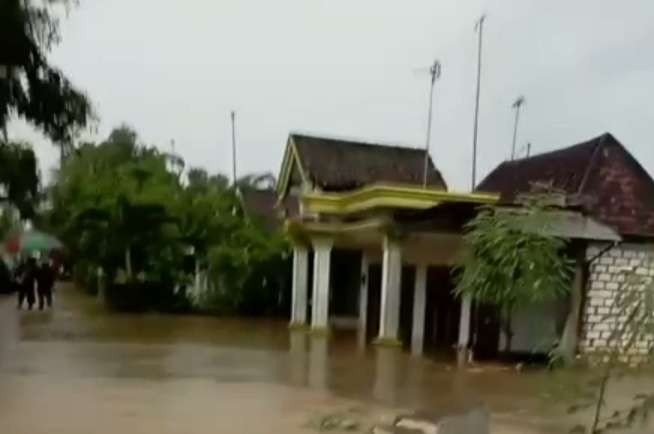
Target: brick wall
(607, 279)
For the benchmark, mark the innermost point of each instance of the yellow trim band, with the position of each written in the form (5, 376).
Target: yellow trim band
(388, 196)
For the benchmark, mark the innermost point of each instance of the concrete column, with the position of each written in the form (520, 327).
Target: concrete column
(419, 305)
(300, 279)
(463, 353)
(363, 301)
(389, 317)
(322, 248)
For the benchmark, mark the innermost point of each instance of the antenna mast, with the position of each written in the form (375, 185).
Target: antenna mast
(233, 117)
(516, 105)
(435, 72)
(479, 27)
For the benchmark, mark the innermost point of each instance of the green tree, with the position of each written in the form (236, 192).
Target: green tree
(30, 86)
(19, 177)
(511, 260)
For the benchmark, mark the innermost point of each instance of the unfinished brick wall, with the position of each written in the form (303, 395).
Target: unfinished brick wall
(607, 275)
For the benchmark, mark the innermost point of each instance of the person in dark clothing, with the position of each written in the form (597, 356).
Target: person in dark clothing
(27, 275)
(45, 282)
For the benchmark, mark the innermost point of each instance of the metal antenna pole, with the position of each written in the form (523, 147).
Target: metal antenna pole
(233, 116)
(435, 72)
(516, 105)
(479, 27)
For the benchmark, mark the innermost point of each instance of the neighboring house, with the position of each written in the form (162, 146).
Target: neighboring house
(602, 179)
(263, 205)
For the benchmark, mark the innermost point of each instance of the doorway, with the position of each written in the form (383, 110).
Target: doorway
(443, 312)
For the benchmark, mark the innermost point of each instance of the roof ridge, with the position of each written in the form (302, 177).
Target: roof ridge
(554, 151)
(358, 141)
(593, 157)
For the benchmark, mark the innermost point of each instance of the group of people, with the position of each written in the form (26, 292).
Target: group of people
(33, 278)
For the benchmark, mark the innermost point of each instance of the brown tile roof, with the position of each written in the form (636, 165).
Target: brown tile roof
(338, 165)
(600, 175)
(262, 204)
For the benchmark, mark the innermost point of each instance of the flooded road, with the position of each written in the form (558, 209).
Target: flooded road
(81, 369)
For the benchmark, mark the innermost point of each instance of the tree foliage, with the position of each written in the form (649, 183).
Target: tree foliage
(121, 205)
(512, 260)
(509, 265)
(30, 86)
(19, 177)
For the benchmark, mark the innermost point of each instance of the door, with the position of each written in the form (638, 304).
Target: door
(442, 313)
(485, 331)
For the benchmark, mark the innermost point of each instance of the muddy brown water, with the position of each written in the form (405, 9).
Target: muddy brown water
(81, 369)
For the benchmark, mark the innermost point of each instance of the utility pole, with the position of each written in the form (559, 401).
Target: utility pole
(516, 105)
(528, 149)
(435, 72)
(479, 27)
(233, 116)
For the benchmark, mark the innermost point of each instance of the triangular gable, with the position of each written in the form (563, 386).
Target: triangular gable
(291, 169)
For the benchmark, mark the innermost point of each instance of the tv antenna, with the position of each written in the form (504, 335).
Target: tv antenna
(435, 73)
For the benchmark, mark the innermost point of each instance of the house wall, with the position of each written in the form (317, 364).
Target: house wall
(606, 280)
(536, 328)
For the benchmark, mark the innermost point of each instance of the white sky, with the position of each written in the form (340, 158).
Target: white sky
(173, 69)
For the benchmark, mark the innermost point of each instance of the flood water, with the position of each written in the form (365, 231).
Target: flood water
(81, 369)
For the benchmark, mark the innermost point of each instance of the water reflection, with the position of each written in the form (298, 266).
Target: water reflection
(318, 362)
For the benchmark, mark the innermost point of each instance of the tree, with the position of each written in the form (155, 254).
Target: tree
(511, 260)
(19, 177)
(30, 86)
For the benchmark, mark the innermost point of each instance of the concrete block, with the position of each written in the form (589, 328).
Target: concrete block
(615, 253)
(601, 326)
(621, 262)
(475, 420)
(612, 286)
(596, 301)
(603, 311)
(596, 284)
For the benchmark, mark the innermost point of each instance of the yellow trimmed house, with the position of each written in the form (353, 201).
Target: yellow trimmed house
(375, 234)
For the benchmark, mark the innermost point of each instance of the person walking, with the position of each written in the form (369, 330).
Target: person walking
(45, 282)
(26, 274)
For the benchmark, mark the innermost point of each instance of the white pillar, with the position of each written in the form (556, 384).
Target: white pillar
(419, 305)
(363, 301)
(300, 278)
(322, 248)
(464, 331)
(389, 317)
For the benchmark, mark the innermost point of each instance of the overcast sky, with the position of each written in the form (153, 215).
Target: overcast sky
(173, 69)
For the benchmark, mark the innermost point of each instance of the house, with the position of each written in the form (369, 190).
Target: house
(377, 232)
(361, 257)
(602, 179)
